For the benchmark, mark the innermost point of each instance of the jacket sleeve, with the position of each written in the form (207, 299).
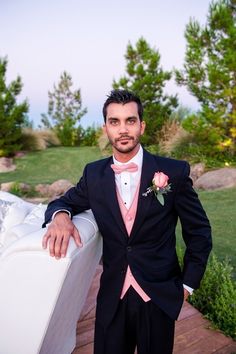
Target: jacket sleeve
(75, 200)
(196, 230)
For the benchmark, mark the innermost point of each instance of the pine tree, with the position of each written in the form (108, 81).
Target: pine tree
(12, 114)
(64, 110)
(146, 78)
(210, 75)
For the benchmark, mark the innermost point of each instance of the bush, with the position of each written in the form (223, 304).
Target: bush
(216, 298)
(190, 149)
(23, 190)
(171, 134)
(88, 136)
(35, 140)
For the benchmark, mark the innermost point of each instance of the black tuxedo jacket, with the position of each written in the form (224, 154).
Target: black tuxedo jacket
(150, 249)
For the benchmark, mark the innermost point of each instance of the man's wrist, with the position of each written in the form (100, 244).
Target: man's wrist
(61, 211)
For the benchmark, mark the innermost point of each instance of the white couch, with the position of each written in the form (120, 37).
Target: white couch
(40, 297)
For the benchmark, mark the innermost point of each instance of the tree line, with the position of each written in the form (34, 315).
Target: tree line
(209, 74)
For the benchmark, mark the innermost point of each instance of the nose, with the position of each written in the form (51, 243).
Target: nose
(123, 128)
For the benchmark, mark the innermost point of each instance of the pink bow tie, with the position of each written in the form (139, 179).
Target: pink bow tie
(130, 167)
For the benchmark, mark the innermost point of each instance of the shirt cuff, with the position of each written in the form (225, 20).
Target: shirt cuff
(190, 290)
(58, 211)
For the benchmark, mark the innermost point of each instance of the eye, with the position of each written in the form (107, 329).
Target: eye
(131, 121)
(113, 122)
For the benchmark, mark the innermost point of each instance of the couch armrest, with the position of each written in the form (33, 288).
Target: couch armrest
(32, 242)
(41, 298)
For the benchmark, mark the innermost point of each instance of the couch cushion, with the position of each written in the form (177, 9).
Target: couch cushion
(13, 214)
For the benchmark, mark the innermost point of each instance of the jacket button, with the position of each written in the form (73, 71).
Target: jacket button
(129, 248)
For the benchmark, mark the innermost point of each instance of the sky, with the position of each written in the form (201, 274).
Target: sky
(88, 39)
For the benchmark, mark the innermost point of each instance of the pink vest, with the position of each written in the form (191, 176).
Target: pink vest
(128, 216)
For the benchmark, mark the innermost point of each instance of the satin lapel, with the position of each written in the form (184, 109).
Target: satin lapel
(144, 203)
(110, 196)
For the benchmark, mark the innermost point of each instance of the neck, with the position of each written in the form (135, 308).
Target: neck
(126, 156)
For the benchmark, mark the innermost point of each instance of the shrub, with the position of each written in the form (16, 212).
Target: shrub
(34, 140)
(23, 190)
(189, 148)
(49, 137)
(171, 134)
(88, 136)
(216, 298)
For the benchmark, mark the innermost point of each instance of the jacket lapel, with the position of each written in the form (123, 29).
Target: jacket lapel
(110, 196)
(148, 169)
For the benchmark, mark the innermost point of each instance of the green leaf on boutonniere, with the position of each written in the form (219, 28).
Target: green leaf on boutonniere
(160, 198)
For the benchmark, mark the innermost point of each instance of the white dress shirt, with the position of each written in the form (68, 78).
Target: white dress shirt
(127, 182)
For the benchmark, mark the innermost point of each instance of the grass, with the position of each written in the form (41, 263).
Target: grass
(51, 164)
(220, 207)
(68, 163)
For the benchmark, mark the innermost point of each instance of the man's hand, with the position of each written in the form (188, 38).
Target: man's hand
(186, 294)
(58, 234)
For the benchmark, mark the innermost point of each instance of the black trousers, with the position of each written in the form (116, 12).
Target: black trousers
(136, 324)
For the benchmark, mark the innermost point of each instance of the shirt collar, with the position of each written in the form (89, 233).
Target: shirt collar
(138, 159)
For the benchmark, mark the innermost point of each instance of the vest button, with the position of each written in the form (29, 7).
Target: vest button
(129, 248)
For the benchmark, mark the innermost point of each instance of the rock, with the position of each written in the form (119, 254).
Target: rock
(197, 171)
(20, 154)
(43, 190)
(6, 165)
(218, 179)
(24, 187)
(7, 186)
(60, 187)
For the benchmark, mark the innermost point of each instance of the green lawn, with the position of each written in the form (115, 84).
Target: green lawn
(56, 163)
(52, 164)
(221, 209)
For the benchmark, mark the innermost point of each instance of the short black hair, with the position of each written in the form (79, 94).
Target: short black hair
(123, 97)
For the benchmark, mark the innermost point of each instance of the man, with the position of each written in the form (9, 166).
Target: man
(136, 199)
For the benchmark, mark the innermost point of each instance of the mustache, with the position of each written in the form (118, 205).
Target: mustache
(124, 137)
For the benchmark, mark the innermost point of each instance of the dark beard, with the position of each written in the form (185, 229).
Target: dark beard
(125, 150)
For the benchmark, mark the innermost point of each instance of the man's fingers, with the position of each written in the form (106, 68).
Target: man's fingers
(77, 237)
(58, 246)
(64, 246)
(45, 240)
(186, 294)
(58, 239)
(52, 246)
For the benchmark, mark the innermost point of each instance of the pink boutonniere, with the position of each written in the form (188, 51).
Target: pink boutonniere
(159, 186)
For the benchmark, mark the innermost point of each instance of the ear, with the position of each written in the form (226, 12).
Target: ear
(143, 126)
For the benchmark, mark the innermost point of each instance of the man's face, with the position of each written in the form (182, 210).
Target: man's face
(123, 127)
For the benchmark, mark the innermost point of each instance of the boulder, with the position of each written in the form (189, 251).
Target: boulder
(6, 164)
(24, 187)
(43, 190)
(218, 179)
(7, 186)
(60, 187)
(197, 171)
